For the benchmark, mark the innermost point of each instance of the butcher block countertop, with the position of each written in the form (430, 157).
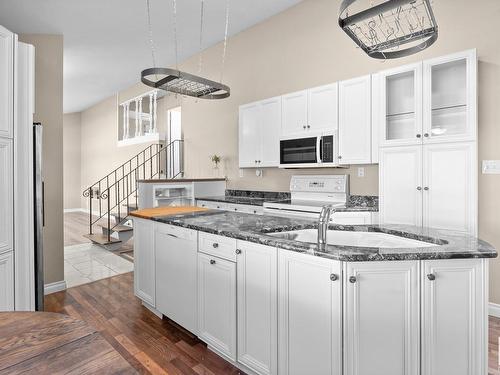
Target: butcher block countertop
(149, 213)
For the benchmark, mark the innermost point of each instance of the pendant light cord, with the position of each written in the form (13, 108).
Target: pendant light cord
(225, 42)
(200, 60)
(150, 29)
(174, 3)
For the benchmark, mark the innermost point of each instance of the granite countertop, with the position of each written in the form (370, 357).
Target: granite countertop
(255, 228)
(357, 203)
(252, 201)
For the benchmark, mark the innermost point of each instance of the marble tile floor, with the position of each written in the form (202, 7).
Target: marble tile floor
(84, 263)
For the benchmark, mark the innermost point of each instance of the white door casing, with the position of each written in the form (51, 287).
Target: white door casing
(7, 40)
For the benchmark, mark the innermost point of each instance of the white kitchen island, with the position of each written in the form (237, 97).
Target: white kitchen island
(272, 305)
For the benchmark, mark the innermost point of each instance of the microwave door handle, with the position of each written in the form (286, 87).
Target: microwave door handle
(318, 149)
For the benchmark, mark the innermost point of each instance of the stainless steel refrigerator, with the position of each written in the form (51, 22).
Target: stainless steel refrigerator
(39, 216)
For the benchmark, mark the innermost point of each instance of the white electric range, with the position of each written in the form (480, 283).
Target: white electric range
(309, 194)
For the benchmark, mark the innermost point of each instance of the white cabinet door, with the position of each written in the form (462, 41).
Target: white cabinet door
(400, 105)
(294, 112)
(450, 187)
(323, 108)
(257, 307)
(270, 115)
(249, 135)
(309, 315)
(450, 98)
(217, 304)
(400, 179)
(176, 252)
(454, 324)
(381, 318)
(6, 83)
(7, 281)
(355, 136)
(144, 260)
(6, 195)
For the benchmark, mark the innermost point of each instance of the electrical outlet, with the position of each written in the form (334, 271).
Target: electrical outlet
(361, 172)
(491, 166)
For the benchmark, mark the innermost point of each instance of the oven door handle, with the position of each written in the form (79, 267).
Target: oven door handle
(318, 149)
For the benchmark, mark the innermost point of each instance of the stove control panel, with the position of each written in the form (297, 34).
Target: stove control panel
(320, 184)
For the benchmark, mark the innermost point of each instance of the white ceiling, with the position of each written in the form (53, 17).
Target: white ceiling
(106, 42)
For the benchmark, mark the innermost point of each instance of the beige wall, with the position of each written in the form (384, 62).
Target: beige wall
(303, 47)
(49, 111)
(72, 160)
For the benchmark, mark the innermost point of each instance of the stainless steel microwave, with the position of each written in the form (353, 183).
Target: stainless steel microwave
(309, 152)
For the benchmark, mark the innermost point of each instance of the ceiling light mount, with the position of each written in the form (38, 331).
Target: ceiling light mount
(392, 29)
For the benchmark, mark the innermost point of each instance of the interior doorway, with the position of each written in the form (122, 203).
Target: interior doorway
(174, 138)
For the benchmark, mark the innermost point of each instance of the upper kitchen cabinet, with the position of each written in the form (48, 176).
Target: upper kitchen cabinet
(323, 108)
(314, 110)
(259, 132)
(7, 40)
(355, 128)
(399, 114)
(450, 98)
(294, 111)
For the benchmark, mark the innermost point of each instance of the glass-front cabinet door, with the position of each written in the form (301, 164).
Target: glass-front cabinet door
(400, 105)
(450, 96)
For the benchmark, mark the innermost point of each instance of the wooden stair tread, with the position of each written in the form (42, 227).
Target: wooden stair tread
(101, 239)
(118, 228)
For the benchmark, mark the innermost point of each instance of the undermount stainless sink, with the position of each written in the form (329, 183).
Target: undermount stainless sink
(350, 238)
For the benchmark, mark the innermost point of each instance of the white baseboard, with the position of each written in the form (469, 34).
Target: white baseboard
(494, 309)
(55, 287)
(74, 210)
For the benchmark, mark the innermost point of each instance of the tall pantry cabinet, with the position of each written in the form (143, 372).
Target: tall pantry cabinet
(428, 143)
(17, 285)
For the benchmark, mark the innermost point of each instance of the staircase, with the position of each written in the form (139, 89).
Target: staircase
(113, 197)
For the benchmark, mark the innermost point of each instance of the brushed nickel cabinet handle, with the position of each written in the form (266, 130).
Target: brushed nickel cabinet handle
(238, 251)
(431, 277)
(419, 135)
(419, 188)
(426, 135)
(215, 245)
(334, 277)
(212, 261)
(426, 188)
(352, 279)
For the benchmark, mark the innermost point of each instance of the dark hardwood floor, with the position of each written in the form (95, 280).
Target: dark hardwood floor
(155, 346)
(149, 344)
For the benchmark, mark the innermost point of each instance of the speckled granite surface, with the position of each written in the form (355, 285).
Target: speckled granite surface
(256, 229)
(252, 201)
(357, 203)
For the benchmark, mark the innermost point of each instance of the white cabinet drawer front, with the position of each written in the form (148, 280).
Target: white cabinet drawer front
(177, 232)
(245, 208)
(7, 282)
(217, 304)
(219, 246)
(352, 218)
(6, 195)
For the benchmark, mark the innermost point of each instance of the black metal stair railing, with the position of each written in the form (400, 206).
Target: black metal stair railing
(114, 194)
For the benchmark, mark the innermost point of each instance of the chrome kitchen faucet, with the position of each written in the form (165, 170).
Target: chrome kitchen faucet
(324, 220)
